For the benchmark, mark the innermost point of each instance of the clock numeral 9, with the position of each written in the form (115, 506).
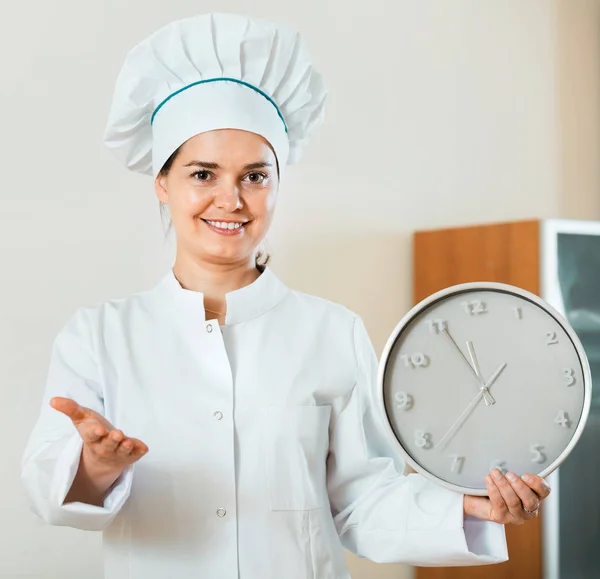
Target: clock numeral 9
(500, 465)
(422, 439)
(538, 456)
(551, 338)
(415, 360)
(457, 463)
(403, 400)
(437, 326)
(562, 418)
(474, 307)
(569, 376)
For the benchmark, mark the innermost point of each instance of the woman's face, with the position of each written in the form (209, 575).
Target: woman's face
(221, 191)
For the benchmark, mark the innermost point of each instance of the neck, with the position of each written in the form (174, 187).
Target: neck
(213, 280)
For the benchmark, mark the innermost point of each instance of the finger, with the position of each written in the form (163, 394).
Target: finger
(512, 500)
(499, 506)
(125, 447)
(529, 499)
(112, 441)
(91, 431)
(537, 484)
(139, 448)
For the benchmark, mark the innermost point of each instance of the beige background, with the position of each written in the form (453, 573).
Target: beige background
(440, 113)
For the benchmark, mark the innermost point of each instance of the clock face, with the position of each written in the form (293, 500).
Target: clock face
(477, 378)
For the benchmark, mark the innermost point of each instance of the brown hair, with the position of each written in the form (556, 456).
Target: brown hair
(262, 257)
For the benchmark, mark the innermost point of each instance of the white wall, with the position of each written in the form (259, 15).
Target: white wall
(440, 113)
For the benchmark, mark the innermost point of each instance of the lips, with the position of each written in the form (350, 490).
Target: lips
(228, 228)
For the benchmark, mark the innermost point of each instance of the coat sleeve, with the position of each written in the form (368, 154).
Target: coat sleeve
(380, 513)
(51, 457)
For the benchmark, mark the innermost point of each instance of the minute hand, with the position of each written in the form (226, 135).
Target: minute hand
(467, 411)
(489, 399)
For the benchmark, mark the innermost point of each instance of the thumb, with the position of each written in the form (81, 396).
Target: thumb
(70, 408)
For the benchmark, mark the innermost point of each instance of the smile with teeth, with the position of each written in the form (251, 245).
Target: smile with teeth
(225, 226)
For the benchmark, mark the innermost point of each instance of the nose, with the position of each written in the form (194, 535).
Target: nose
(228, 198)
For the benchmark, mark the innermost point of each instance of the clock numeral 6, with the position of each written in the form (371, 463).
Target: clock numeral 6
(551, 338)
(474, 307)
(403, 400)
(415, 360)
(457, 463)
(422, 439)
(569, 376)
(500, 465)
(437, 326)
(562, 418)
(538, 456)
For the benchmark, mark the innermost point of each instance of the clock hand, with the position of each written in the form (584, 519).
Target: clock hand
(473, 373)
(489, 399)
(465, 414)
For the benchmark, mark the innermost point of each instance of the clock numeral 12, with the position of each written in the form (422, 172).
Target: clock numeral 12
(415, 360)
(422, 439)
(457, 463)
(474, 307)
(562, 418)
(518, 313)
(569, 376)
(538, 456)
(403, 400)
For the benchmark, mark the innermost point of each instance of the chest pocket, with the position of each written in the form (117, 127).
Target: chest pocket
(296, 441)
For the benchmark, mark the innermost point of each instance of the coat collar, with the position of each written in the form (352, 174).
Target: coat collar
(243, 304)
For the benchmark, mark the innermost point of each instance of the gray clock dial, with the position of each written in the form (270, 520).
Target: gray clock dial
(484, 375)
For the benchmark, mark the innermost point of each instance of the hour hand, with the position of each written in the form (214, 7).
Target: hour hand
(489, 399)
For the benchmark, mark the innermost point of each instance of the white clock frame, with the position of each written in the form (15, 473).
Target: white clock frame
(475, 286)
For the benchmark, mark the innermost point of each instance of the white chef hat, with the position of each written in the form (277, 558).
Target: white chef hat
(213, 71)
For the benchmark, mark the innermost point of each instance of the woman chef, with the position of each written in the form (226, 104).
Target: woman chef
(258, 450)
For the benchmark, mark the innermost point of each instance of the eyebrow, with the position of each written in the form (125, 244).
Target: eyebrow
(209, 165)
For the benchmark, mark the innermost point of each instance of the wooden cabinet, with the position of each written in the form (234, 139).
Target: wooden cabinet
(507, 253)
(558, 260)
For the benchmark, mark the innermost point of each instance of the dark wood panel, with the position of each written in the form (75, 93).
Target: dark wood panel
(506, 253)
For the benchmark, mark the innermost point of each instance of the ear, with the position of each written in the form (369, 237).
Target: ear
(160, 187)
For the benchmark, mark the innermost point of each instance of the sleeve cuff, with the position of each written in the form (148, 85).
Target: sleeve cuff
(441, 534)
(82, 515)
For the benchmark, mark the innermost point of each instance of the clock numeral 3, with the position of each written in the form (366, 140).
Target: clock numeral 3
(474, 307)
(415, 360)
(551, 338)
(422, 439)
(569, 376)
(437, 326)
(500, 465)
(403, 400)
(562, 418)
(457, 463)
(538, 456)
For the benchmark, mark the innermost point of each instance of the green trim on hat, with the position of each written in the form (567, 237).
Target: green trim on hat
(254, 88)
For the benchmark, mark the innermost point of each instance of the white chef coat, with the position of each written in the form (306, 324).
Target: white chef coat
(266, 451)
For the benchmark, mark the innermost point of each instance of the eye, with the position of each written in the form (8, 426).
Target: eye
(256, 178)
(202, 176)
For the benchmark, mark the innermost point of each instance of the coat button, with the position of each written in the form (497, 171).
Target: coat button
(218, 415)
(209, 328)
(221, 512)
